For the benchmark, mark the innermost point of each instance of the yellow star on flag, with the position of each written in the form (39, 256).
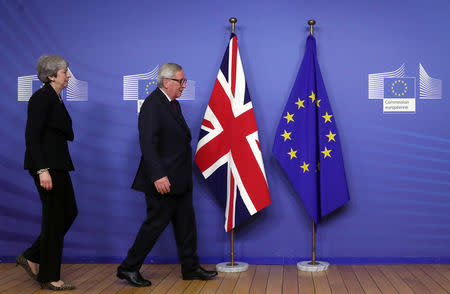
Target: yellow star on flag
(331, 136)
(326, 153)
(286, 135)
(317, 102)
(327, 117)
(289, 117)
(293, 153)
(305, 167)
(312, 96)
(300, 103)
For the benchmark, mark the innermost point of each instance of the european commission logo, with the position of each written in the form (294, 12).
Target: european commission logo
(399, 92)
(76, 90)
(137, 87)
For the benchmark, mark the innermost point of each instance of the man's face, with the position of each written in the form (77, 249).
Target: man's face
(174, 87)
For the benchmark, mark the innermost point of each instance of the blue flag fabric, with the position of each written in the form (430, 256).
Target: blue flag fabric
(307, 143)
(400, 88)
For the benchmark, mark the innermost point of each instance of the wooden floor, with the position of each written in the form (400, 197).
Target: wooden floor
(100, 278)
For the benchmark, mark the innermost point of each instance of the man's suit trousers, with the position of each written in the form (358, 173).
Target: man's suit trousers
(162, 209)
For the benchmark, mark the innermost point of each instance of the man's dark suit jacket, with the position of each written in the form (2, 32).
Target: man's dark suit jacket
(48, 129)
(165, 142)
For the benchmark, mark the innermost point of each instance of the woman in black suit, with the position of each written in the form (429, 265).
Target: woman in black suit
(48, 161)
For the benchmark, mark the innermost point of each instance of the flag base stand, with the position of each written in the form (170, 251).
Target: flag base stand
(308, 266)
(237, 267)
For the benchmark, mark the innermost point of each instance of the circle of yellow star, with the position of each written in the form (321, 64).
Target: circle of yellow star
(327, 117)
(293, 153)
(305, 167)
(331, 136)
(286, 135)
(289, 117)
(149, 85)
(326, 153)
(300, 103)
(312, 96)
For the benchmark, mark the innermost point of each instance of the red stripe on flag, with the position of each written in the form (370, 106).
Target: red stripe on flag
(233, 65)
(208, 124)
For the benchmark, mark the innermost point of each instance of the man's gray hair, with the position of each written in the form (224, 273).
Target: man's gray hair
(48, 66)
(167, 71)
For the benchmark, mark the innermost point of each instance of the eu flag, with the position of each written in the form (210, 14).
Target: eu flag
(307, 143)
(146, 86)
(36, 85)
(400, 88)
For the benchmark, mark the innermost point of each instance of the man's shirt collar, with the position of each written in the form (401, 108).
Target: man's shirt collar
(168, 98)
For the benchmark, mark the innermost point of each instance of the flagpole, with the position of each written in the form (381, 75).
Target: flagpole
(232, 248)
(232, 267)
(313, 244)
(233, 21)
(312, 266)
(311, 23)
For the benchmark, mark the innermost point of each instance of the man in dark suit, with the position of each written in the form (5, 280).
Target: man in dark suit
(165, 176)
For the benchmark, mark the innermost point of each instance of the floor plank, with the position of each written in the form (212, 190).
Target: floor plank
(321, 284)
(212, 285)
(380, 280)
(167, 282)
(305, 283)
(395, 280)
(228, 283)
(245, 280)
(179, 287)
(195, 287)
(335, 280)
(275, 280)
(443, 269)
(429, 283)
(365, 280)
(351, 281)
(104, 280)
(259, 283)
(436, 276)
(410, 279)
(290, 279)
(91, 284)
(14, 280)
(271, 279)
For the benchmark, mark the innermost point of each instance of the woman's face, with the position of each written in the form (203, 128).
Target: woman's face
(62, 78)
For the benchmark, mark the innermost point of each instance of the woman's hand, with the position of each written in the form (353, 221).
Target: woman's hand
(46, 180)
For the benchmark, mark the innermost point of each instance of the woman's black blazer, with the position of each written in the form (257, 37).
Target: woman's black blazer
(48, 129)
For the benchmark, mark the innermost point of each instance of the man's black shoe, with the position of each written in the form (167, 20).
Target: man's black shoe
(199, 274)
(134, 278)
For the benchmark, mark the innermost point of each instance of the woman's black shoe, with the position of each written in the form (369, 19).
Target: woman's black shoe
(23, 262)
(63, 287)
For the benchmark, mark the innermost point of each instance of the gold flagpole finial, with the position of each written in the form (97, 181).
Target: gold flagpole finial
(233, 21)
(311, 23)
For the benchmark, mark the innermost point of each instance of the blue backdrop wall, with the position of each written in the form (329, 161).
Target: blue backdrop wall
(397, 164)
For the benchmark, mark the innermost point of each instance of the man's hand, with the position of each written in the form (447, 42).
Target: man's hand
(46, 180)
(162, 185)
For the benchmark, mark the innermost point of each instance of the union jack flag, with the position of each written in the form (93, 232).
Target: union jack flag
(228, 151)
